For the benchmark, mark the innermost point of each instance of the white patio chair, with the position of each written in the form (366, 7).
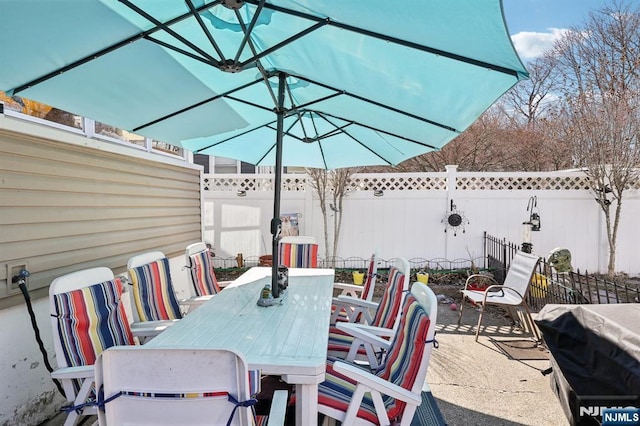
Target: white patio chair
(298, 252)
(173, 386)
(364, 336)
(509, 295)
(202, 276)
(154, 303)
(342, 306)
(87, 316)
(344, 341)
(352, 395)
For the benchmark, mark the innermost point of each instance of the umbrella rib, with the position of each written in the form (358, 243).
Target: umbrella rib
(259, 65)
(378, 104)
(212, 62)
(324, 160)
(196, 105)
(356, 140)
(246, 102)
(394, 40)
(236, 136)
(319, 24)
(102, 52)
(247, 31)
(376, 129)
(316, 101)
(207, 33)
(298, 119)
(265, 155)
(166, 28)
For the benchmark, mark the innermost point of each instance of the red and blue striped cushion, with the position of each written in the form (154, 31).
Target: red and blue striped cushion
(294, 255)
(405, 353)
(153, 292)
(91, 320)
(339, 341)
(370, 280)
(337, 391)
(386, 314)
(202, 275)
(400, 367)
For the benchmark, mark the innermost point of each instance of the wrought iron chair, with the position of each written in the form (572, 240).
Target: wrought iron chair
(298, 252)
(171, 386)
(509, 295)
(87, 316)
(390, 394)
(344, 341)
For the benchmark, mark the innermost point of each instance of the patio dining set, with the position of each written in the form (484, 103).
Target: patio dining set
(339, 355)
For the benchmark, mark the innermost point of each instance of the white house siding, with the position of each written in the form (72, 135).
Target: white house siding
(68, 202)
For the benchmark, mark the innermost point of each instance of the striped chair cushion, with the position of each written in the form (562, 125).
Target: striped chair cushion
(339, 341)
(203, 277)
(404, 356)
(153, 292)
(400, 367)
(294, 255)
(370, 279)
(342, 315)
(337, 391)
(91, 320)
(387, 313)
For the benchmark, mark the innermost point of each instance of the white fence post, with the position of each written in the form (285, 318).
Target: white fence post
(451, 170)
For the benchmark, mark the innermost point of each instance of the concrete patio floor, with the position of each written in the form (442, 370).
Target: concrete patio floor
(475, 383)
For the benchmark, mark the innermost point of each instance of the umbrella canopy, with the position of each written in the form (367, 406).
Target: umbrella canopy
(317, 83)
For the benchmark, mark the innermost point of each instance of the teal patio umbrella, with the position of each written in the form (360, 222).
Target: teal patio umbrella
(316, 83)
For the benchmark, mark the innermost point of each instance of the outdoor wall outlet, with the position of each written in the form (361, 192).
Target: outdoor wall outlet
(13, 269)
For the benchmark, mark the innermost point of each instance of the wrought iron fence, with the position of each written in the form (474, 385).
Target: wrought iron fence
(549, 286)
(360, 263)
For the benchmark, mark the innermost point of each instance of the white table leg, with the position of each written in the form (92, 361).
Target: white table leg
(307, 404)
(306, 397)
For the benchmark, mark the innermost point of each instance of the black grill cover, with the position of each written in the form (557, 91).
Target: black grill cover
(595, 356)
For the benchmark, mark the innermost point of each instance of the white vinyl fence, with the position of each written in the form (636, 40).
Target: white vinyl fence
(408, 219)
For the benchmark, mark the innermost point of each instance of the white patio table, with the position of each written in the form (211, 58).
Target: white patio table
(288, 339)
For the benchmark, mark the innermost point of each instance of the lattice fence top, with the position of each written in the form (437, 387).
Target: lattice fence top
(252, 183)
(553, 181)
(398, 183)
(524, 182)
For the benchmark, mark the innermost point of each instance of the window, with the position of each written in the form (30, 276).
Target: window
(225, 165)
(203, 160)
(247, 168)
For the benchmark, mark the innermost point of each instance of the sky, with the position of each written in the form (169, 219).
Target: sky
(535, 24)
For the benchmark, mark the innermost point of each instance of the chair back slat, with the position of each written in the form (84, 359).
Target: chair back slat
(153, 293)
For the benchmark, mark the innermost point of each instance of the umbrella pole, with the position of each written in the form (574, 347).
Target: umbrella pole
(275, 222)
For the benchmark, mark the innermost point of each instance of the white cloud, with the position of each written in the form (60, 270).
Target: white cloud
(530, 45)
